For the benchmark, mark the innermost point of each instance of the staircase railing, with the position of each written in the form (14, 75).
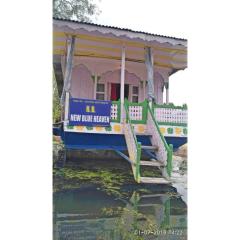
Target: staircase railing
(134, 147)
(165, 151)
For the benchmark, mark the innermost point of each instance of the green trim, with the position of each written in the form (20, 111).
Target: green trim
(155, 122)
(185, 131)
(169, 160)
(170, 130)
(169, 148)
(138, 145)
(173, 124)
(170, 105)
(138, 177)
(108, 129)
(89, 128)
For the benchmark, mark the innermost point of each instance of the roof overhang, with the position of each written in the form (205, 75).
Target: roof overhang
(93, 40)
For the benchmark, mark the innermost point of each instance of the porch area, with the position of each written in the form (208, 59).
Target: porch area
(171, 119)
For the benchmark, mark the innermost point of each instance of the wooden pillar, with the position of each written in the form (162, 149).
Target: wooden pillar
(68, 69)
(144, 89)
(167, 91)
(67, 78)
(66, 106)
(122, 81)
(149, 65)
(95, 86)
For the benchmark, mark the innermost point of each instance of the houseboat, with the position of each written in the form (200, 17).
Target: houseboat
(114, 89)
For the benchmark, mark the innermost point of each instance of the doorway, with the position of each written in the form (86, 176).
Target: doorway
(116, 91)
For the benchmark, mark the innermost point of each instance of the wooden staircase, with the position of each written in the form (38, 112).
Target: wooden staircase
(153, 162)
(160, 180)
(159, 150)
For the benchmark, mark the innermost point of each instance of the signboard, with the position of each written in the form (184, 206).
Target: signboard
(89, 112)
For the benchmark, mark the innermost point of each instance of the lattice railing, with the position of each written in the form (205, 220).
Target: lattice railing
(170, 114)
(115, 111)
(137, 111)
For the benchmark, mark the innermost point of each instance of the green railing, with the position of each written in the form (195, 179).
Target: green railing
(169, 114)
(165, 114)
(168, 148)
(137, 111)
(134, 147)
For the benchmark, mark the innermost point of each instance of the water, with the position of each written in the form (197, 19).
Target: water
(88, 207)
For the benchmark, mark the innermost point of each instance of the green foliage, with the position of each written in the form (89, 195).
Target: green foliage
(56, 103)
(110, 181)
(80, 10)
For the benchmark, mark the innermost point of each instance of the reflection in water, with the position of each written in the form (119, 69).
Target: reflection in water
(90, 213)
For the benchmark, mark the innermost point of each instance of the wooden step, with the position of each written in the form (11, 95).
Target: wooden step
(150, 163)
(144, 134)
(154, 180)
(150, 147)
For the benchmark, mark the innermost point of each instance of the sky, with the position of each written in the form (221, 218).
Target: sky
(165, 17)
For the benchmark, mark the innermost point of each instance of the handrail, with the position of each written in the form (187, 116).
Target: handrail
(137, 145)
(170, 105)
(128, 119)
(169, 148)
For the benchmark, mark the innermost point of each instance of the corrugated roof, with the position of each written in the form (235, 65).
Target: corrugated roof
(118, 28)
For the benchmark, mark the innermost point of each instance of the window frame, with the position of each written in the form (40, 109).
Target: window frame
(134, 94)
(100, 92)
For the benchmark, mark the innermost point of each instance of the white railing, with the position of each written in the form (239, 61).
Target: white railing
(114, 111)
(170, 115)
(136, 112)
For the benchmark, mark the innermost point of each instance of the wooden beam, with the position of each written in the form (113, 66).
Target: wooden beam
(119, 42)
(154, 180)
(149, 65)
(68, 70)
(95, 86)
(122, 81)
(124, 156)
(92, 55)
(117, 50)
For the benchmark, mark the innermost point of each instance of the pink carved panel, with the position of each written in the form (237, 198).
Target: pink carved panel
(82, 84)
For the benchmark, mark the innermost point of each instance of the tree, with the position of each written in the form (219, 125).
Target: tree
(80, 10)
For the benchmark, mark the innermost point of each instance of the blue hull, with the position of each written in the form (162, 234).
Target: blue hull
(176, 141)
(73, 140)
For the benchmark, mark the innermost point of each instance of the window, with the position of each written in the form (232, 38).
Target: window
(135, 94)
(100, 92)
